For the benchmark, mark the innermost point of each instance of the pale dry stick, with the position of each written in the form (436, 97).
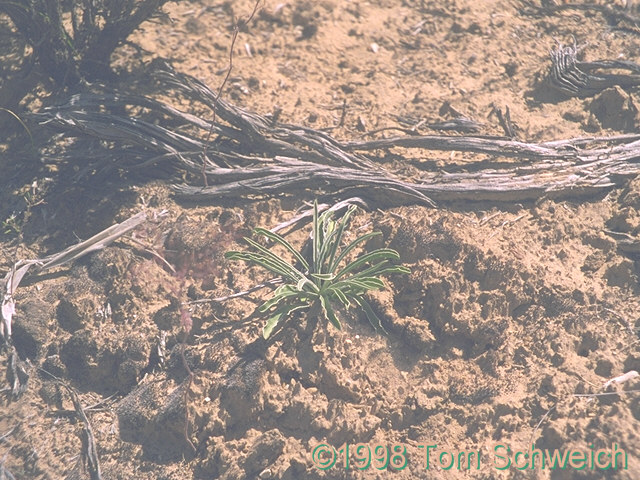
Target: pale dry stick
(581, 141)
(286, 174)
(234, 37)
(604, 394)
(625, 377)
(505, 223)
(505, 121)
(628, 347)
(96, 407)
(617, 380)
(511, 222)
(154, 253)
(268, 283)
(5, 474)
(6, 434)
(343, 115)
(89, 447)
(485, 219)
(488, 145)
(546, 415)
(407, 131)
(625, 242)
(95, 243)
(19, 120)
(588, 382)
(397, 215)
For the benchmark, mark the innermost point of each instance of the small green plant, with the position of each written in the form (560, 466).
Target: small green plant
(11, 225)
(318, 283)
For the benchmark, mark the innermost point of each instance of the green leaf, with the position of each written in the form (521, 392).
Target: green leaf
(374, 320)
(366, 283)
(281, 294)
(270, 325)
(281, 240)
(326, 241)
(351, 246)
(371, 257)
(334, 231)
(305, 282)
(380, 269)
(319, 285)
(339, 294)
(327, 309)
(324, 276)
(264, 262)
(316, 240)
(271, 259)
(281, 313)
(338, 238)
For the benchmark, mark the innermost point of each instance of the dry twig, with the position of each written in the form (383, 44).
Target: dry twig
(89, 456)
(234, 37)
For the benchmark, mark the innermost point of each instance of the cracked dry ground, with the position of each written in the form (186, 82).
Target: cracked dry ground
(509, 311)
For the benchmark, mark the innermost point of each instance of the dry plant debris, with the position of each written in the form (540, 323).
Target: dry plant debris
(252, 156)
(573, 77)
(20, 268)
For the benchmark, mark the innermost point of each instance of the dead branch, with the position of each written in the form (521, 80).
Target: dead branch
(234, 37)
(486, 145)
(89, 457)
(254, 156)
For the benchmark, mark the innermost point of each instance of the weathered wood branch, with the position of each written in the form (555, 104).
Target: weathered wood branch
(486, 145)
(251, 155)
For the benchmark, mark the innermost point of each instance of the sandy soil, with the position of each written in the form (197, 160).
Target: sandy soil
(509, 312)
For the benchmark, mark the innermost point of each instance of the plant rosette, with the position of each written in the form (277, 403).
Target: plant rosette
(325, 280)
